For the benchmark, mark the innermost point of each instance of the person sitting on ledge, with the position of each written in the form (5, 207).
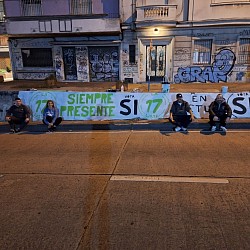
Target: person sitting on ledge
(219, 111)
(51, 116)
(18, 116)
(180, 114)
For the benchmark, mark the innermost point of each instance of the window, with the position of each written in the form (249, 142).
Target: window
(31, 7)
(244, 51)
(131, 53)
(202, 51)
(1, 11)
(37, 57)
(81, 7)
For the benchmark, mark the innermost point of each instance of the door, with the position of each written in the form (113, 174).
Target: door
(156, 62)
(69, 59)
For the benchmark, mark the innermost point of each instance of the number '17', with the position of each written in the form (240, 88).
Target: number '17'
(158, 104)
(39, 102)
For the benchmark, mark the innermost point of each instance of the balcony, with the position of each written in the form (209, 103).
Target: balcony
(47, 25)
(156, 14)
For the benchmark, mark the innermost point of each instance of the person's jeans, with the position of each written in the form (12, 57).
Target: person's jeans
(181, 120)
(17, 121)
(56, 123)
(222, 120)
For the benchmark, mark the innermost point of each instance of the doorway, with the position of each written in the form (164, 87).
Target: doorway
(156, 62)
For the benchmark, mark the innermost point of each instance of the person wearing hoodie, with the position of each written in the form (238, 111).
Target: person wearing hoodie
(18, 116)
(219, 112)
(51, 116)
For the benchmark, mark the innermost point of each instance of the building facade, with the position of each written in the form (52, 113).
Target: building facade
(4, 49)
(186, 40)
(75, 40)
(133, 40)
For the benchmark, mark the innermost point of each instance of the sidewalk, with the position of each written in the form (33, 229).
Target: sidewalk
(18, 85)
(125, 125)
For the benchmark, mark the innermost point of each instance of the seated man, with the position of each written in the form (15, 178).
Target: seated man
(178, 114)
(219, 111)
(17, 114)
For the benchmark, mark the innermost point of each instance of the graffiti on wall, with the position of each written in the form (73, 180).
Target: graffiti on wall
(182, 54)
(221, 67)
(129, 69)
(58, 63)
(82, 63)
(104, 63)
(33, 76)
(6, 100)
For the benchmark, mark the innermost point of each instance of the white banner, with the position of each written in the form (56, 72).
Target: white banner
(117, 105)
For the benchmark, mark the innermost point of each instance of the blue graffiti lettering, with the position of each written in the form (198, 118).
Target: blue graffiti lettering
(221, 67)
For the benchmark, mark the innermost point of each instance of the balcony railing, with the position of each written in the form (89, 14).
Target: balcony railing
(159, 12)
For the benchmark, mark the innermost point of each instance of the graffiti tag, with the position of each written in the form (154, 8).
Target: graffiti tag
(221, 67)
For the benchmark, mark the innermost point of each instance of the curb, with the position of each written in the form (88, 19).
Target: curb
(161, 125)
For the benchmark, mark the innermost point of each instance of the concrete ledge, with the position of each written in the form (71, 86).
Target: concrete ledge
(161, 125)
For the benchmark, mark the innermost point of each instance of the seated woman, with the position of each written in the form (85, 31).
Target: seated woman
(51, 116)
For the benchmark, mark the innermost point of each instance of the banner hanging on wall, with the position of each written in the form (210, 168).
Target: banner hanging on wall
(116, 105)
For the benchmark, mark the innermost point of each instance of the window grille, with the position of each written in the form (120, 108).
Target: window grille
(244, 51)
(202, 51)
(31, 7)
(37, 57)
(81, 7)
(1, 11)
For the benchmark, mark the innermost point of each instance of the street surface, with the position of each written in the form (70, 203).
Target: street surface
(125, 190)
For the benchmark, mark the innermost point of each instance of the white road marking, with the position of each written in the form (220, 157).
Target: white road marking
(169, 179)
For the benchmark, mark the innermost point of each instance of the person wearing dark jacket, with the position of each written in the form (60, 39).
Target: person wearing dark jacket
(179, 114)
(219, 111)
(18, 114)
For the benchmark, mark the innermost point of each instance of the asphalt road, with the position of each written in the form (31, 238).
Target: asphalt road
(125, 190)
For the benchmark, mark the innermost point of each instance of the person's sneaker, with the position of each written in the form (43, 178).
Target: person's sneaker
(213, 128)
(12, 131)
(17, 130)
(224, 129)
(177, 129)
(184, 129)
